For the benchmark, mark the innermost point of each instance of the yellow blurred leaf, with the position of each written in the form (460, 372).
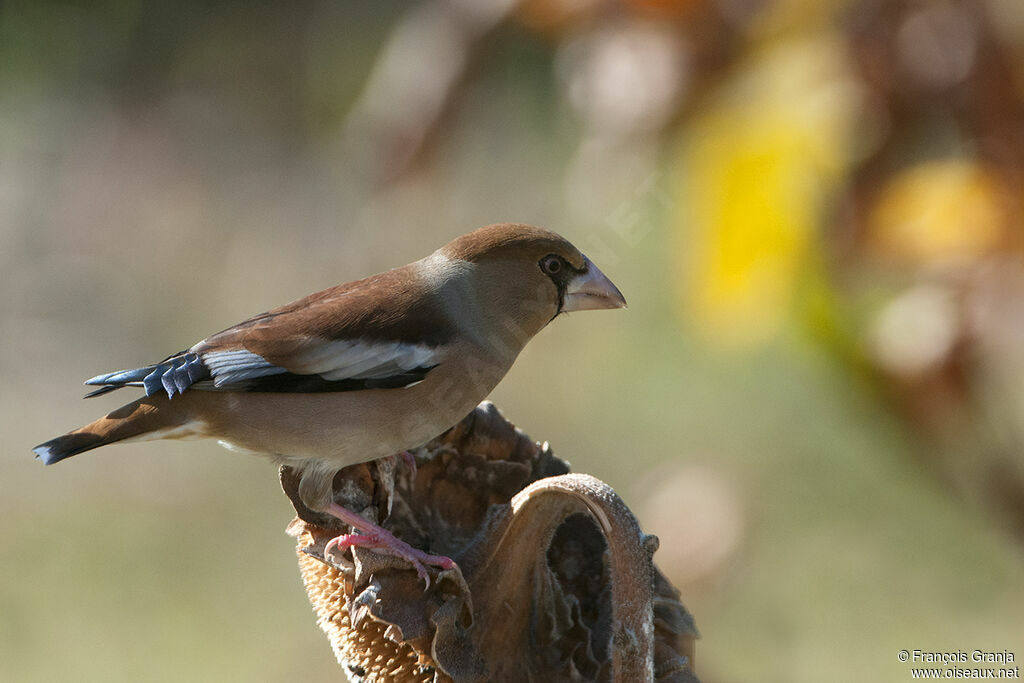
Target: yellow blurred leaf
(760, 164)
(939, 213)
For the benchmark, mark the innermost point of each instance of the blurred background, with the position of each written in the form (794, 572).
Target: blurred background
(814, 208)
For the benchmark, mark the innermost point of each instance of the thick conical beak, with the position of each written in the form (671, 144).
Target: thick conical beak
(591, 290)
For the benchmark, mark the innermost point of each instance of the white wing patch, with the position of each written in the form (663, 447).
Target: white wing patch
(360, 359)
(332, 360)
(230, 367)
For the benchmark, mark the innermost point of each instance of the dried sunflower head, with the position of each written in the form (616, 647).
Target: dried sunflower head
(554, 579)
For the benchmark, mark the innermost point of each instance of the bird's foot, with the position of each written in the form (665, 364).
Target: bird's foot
(381, 539)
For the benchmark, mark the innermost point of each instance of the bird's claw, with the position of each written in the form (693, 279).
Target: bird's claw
(392, 546)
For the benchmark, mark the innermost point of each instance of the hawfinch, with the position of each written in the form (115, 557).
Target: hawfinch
(360, 371)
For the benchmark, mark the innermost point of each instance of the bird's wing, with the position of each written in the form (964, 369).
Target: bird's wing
(378, 333)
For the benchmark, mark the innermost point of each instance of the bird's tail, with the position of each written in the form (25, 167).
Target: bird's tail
(144, 419)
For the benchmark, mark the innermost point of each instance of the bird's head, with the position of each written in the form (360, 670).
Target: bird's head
(527, 275)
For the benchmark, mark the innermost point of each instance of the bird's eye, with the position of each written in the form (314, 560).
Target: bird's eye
(551, 264)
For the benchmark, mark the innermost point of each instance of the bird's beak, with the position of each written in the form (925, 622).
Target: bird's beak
(591, 290)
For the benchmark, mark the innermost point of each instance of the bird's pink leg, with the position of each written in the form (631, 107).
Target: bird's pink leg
(345, 541)
(374, 536)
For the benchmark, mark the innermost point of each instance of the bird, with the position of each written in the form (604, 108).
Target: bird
(360, 371)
